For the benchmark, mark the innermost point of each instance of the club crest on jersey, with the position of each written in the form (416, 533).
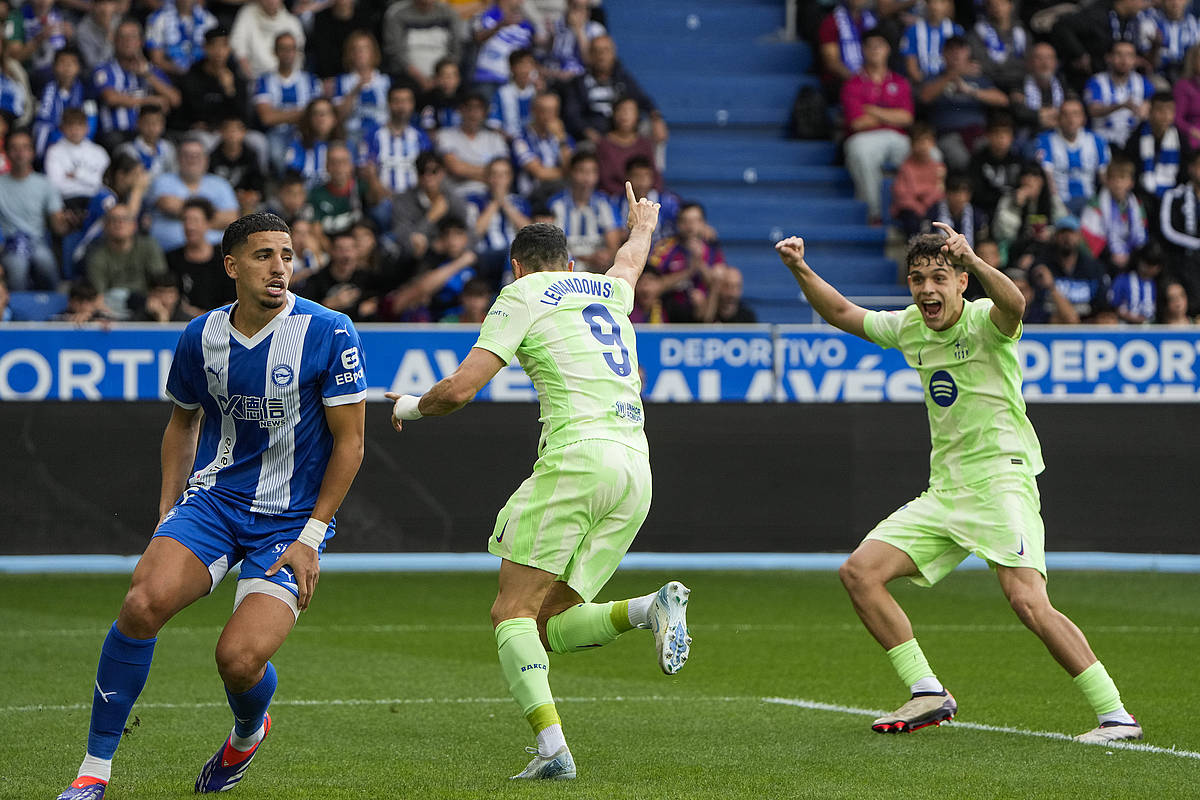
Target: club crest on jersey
(960, 350)
(943, 389)
(281, 375)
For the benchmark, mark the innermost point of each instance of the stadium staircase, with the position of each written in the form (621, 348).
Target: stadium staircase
(725, 81)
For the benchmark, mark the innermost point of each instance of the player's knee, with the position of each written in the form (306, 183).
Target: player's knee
(855, 576)
(238, 667)
(143, 612)
(1029, 607)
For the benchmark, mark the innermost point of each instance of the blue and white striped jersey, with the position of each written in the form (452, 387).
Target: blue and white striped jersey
(264, 444)
(394, 155)
(370, 107)
(1072, 164)
(287, 94)
(110, 75)
(511, 109)
(1116, 126)
(586, 225)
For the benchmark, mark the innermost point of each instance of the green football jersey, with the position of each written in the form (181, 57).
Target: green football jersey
(972, 379)
(572, 335)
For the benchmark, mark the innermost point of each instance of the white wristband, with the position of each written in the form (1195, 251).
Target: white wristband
(313, 533)
(406, 407)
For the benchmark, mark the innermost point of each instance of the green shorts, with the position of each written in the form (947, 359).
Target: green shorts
(998, 520)
(577, 514)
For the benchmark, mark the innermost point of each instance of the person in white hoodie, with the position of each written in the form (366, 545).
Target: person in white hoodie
(76, 164)
(255, 29)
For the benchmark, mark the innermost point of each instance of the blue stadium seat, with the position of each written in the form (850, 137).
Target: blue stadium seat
(36, 306)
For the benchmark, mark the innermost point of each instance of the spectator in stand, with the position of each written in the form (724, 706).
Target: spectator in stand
(213, 88)
(572, 35)
(878, 108)
(1179, 221)
(723, 304)
(543, 149)
(1113, 223)
(495, 216)
(163, 302)
(1077, 276)
(334, 25)
(64, 90)
(251, 193)
(475, 301)
(388, 164)
(360, 94)
(175, 35)
(129, 83)
(417, 212)
(156, 153)
(640, 173)
(95, 33)
(339, 202)
(958, 101)
(319, 125)
(1176, 30)
(1044, 303)
(233, 158)
(291, 198)
(76, 164)
(6, 313)
(197, 264)
(257, 25)
(1025, 217)
(310, 255)
(1041, 94)
(589, 99)
(169, 191)
(1134, 293)
(685, 262)
(920, 182)
(957, 210)
(1157, 149)
(418, 35)
(511, 105)
(1175, 307)
(500, 31)
(586, 216)
(29, 203)
(46, 30)
(1187, 99)
(280, 97)
(996, 168)
(1072, 156)
(470, 147)
(439, 106)
(83, 305)
(1118, 101)
(126, 181)
(1085, 37)
(443, 274)
(121, 263)
(341, 285)
(999, 43)
(14, 87)
(841, 43)
(647, 301)
(619, 145)
(925, 40)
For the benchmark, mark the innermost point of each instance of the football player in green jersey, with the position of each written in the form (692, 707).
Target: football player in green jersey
(982, 496)
(565, 529)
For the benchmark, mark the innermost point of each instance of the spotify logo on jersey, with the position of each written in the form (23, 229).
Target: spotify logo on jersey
(943, 389)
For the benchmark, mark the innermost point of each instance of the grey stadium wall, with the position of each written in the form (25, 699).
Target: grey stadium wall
(84, 477)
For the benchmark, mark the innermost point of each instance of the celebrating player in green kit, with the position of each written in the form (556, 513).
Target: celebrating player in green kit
(564, 531)
(982, 495)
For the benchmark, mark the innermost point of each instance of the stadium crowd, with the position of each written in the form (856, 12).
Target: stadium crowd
(404, 143)
(1063, 139)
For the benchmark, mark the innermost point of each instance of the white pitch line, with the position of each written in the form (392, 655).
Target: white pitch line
(978, 726)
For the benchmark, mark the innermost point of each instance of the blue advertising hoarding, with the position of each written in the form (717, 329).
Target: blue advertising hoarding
(758, 363)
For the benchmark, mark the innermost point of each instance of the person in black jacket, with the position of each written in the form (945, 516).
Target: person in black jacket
(589, 99)
(1085, 37)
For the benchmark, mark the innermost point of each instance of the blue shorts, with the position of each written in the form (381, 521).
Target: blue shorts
(221, 534)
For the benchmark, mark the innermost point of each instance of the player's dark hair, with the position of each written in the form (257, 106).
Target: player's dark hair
(539, 247)
(240, 229)
(927, 247)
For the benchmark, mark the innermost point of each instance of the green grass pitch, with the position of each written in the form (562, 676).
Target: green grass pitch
(389, 687)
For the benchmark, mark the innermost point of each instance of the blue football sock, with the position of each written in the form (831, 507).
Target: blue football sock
(124, 665)
(250, 706)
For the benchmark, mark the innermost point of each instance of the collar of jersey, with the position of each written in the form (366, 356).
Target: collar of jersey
(252, 342)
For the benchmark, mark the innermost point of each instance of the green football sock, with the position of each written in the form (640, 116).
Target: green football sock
(1099, 689)
(587, 625)
(527, 669)
(909, 662)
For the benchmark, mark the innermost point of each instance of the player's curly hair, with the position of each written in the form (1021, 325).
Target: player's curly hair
(540, 247)
(240, 229)
(927, 247)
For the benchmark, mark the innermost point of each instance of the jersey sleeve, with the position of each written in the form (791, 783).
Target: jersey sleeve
(883, 327)
(982, 308)
(181, 380)
(505, 325)
(344, 380)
